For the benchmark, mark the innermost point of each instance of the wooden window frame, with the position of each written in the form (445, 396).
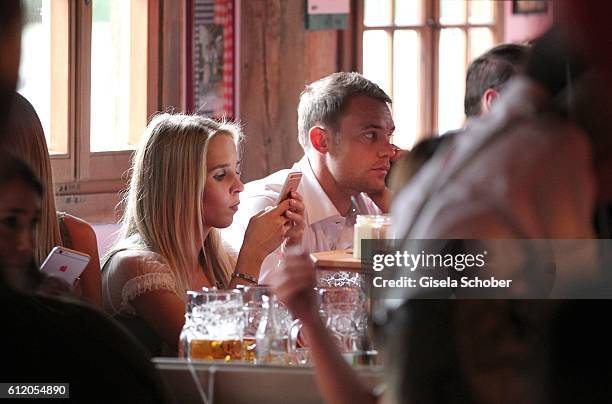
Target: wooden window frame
(61, 34)
(430, 34)
(88, 184)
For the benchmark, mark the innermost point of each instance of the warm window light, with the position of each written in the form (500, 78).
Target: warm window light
(118, 74)
(451, 79)
(418, 52)
(406, 104)
(45, 39)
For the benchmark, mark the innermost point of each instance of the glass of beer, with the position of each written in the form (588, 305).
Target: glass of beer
(219, 320)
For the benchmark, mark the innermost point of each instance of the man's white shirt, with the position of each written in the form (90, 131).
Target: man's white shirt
(326, 229)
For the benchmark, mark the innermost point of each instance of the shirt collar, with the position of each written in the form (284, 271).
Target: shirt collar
(318, 205)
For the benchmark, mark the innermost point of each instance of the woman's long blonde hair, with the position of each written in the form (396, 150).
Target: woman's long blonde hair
(26, 141)
(163, 207)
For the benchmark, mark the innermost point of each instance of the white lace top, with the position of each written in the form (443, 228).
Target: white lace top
(129, 274)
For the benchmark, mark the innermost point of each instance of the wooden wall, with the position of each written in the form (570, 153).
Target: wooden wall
(278, 57)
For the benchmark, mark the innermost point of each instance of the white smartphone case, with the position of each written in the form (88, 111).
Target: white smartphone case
(65, 263)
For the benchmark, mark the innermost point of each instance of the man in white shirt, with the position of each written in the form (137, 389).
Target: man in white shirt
(345, 128)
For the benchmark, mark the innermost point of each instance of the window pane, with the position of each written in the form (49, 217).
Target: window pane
(118, 74)
(376, 58)
(407, 102)
(451, 79)
(481, 11)
(39, 79)
(452, 11)
(481, 40)
(377, 13)
(408, 12)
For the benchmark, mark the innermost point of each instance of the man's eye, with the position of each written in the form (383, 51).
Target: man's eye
(370, 136)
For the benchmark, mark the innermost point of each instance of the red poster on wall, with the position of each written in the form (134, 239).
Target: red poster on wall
(210, 72)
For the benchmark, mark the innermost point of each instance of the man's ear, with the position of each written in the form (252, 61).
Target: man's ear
(318, 139)
(488, 98)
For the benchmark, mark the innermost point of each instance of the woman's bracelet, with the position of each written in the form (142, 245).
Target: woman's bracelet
(245, 277)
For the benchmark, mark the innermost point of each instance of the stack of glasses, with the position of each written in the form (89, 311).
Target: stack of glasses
(238, 325)
(251, 325)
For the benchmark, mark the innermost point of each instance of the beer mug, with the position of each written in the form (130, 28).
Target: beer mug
(189, 328)
(344, 314)
(219, 325)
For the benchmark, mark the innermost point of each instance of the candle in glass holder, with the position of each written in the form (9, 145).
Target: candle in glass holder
(370, 227)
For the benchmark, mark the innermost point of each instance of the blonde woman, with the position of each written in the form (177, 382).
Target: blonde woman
(185, 186)
(27, 142)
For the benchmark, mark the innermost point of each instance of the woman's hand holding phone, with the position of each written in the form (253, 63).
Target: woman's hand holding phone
(267, 229)
(291, 184)
(296, 214)
(271, 226)
(296, 208)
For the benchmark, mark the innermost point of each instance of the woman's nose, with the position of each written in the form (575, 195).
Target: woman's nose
(238, 186)
(25, 242)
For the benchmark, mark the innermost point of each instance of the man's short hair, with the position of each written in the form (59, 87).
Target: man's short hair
(323, 102)
(492, 69)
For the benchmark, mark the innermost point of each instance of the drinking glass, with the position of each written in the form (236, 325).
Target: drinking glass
(252, 307)
(219, 320)
(271, 337)
(344, 314)
(188, 332)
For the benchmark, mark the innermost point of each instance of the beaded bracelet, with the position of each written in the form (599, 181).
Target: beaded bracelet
(245, 277)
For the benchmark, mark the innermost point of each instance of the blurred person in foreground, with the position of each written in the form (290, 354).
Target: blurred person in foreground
(52, 339)
(26, 141)
(49, 339)
(465, 351)
(435, 351)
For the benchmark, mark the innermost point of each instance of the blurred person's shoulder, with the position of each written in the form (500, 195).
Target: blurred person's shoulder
(52, 338)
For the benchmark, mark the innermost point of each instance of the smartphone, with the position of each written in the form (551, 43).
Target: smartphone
(65, 263)
(291, 184)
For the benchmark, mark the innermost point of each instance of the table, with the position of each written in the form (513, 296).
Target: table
(338, 268)
(221, 382)
(336, 260)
